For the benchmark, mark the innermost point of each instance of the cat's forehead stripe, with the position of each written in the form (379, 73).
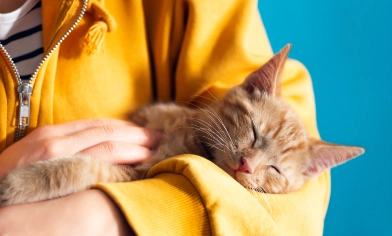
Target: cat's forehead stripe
(243, 106)
(261, 122)
(228, 117)
(263, 127)
(293, 148)
(280, 125)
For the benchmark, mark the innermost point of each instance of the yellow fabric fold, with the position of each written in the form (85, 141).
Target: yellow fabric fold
(166, 205)
(206, 195)
(189, 195)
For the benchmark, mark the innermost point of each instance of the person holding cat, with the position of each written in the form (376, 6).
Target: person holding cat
(100, 60)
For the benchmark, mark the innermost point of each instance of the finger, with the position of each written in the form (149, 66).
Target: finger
(119, 152)
(69, 128)
(75, 143)
(130, 134)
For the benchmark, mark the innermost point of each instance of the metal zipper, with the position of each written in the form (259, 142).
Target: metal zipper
(25, 89)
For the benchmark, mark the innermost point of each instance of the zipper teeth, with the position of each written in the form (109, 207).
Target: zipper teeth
(20, 130)
(13, 66)
(32, 78)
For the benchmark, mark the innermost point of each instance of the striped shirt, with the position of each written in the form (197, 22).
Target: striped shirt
(21, 36)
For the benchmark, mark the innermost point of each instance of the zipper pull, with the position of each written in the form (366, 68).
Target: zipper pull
(24, 91)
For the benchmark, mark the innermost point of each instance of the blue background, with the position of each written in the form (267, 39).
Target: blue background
(347, 46)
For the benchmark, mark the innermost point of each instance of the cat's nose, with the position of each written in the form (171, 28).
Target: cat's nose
(244, 166)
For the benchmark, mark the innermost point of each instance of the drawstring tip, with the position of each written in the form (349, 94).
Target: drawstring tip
(94, 38)
(103, 23)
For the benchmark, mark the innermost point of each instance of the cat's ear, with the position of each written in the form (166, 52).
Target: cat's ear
(327, 155)
(268, 77)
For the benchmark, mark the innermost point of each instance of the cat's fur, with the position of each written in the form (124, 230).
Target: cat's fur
(252, 134)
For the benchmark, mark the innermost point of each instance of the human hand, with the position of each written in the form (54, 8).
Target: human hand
(111, 140)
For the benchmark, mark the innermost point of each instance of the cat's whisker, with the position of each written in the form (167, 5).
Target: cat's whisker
(207, 131)
(220, 121)
(213, 138)
(213, 143)
(207, 98)
(263, 197)
(213, 146)
(210, 145)
(268, 198)
(202, 122)
(210, 111)
(213, 98)
(218, 144)
(222, 144)
(202, 129)
(212, 95)
(210, 134)
(211, 114)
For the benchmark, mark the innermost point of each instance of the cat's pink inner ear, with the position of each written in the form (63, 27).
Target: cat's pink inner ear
(327, 155)
(268, 77)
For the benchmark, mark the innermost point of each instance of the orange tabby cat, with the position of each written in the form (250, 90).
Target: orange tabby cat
(252, 134)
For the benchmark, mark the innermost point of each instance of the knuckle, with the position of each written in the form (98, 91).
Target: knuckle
(50, 148)
(111, 147)
(42, 131)
(109, 130)
(99, 122)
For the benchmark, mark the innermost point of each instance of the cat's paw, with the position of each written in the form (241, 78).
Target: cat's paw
(14, 190)
(7, 193)
(4, 193)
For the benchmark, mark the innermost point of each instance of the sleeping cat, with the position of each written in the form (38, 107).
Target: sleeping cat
(252, 134)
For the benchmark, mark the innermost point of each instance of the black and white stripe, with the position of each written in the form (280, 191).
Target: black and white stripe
(23, 37)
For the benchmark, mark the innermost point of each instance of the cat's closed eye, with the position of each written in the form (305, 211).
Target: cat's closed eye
(254, 135)
(274, 168)
(258, 141)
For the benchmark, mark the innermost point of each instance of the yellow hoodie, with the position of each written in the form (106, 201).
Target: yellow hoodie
(105, 59)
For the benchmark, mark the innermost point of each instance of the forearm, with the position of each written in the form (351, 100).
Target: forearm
(89, 212)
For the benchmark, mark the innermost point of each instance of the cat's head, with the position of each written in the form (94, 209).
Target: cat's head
(260, 141)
